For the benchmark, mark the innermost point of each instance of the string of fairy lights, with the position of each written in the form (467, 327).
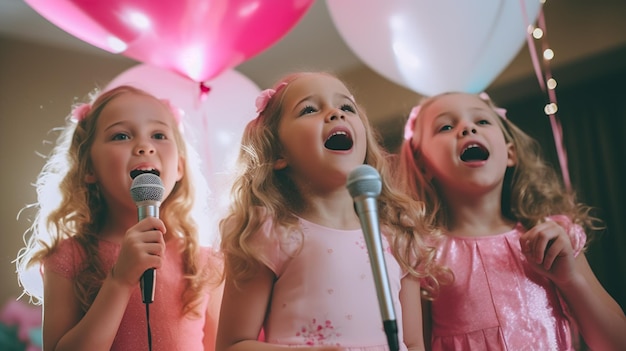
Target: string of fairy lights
(537, 32)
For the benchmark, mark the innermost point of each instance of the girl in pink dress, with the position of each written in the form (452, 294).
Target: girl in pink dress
(92, 249)
(296, 263)
(513, 237)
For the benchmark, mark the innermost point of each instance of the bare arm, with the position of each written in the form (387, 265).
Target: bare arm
(410, 299)
(427, 323)
(601, 321)
(64, 327)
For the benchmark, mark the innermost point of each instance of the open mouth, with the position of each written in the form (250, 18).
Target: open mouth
(474, 152)
(134, 173)
(339, 140)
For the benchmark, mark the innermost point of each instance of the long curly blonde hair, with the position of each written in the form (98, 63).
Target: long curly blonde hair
(532, 189)
(258, 185)
(80, 211)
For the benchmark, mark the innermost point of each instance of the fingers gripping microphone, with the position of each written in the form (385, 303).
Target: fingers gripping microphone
(364, 185)
(147, 192)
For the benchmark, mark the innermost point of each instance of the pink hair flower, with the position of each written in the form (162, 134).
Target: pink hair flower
(264, 98)
(80, 112)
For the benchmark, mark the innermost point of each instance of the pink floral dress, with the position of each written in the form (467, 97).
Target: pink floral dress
(324, 292)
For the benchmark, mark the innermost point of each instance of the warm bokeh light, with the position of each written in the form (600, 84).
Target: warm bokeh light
(548, 54)
(550, 108)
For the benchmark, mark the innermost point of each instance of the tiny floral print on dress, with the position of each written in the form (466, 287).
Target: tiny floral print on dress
(318, 333)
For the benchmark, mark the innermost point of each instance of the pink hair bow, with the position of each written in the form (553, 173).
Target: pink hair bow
(80, 111)
(499, 110)
(264, 98)
(410, 123)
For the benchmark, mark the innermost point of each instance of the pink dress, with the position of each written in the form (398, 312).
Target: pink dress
(324, 294)
(497, 302)
(170, 329)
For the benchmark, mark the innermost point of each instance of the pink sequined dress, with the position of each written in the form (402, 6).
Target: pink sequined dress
(324, 294)
(497, 301)
(170, 329)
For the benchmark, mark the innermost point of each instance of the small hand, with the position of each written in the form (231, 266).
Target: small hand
(142, 248)
(549, 250)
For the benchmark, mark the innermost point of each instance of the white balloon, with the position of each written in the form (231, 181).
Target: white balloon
(212, 123)
(432, 47)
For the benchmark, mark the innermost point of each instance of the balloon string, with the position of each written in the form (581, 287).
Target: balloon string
(542, 78)
(555, 122)
(204, 91)
(531, 46)
(204, 122)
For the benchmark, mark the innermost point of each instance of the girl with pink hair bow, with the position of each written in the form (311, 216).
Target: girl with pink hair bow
(512, 235)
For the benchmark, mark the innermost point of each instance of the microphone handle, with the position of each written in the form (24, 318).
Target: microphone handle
(148, 285)
(391, 330)
(366, 210)
(148, 278)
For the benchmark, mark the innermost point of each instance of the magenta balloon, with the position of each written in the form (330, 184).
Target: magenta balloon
(196, 38)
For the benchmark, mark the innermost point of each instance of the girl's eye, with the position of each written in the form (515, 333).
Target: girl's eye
(120, 136)
(307, 109)
(445, 128)
(484, 122)
(159, 136)
(348, 107)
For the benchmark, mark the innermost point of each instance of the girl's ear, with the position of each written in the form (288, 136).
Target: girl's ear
(280, 163)
(181, 168)
(511, 155)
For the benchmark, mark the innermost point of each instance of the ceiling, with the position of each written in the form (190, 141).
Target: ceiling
(576, 29)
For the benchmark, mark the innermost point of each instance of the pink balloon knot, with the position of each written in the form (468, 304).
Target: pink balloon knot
(204, 91)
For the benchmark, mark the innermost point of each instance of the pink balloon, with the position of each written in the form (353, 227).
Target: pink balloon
(196, 38)
(435, 46)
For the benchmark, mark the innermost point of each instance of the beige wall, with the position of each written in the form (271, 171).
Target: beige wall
(37, 88)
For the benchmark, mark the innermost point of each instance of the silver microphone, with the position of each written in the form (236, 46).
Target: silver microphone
(364, 185)
(147, 192)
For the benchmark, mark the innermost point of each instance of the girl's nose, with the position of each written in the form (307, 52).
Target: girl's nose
(467, 130)
(144, 148)
(335, 115)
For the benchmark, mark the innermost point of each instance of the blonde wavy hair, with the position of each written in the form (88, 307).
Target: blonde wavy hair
(532, 189)
(258, 185)
(80, 211)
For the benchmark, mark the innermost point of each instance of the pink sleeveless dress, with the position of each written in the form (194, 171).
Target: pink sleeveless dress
(324, 293)
(170, 329)
(497, 302)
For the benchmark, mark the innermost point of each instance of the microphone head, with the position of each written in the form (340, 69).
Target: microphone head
(147, 187)
(364, 181)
